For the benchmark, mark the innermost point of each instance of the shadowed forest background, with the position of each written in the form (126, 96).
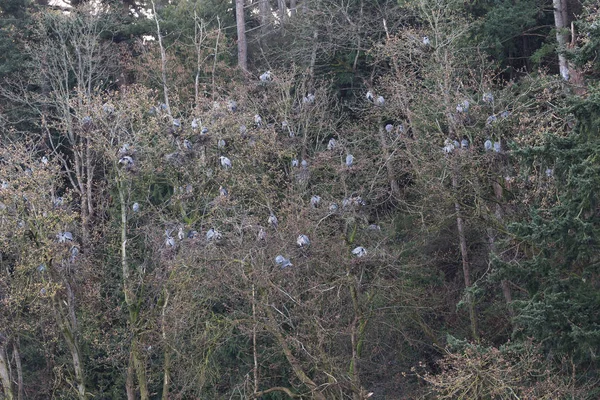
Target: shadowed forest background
(306, 199)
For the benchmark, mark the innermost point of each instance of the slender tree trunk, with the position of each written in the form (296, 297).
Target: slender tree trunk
(465, 259)
(254, 350)
(5, 374)
(130, 297)
(504, 284)
(264, 13)
(167, 362)
(68, 332)
(241, 33)
(19, 365)
(129, 380)
(387, 159)
(561, 22)
(163, 60)
(282, 12)
(293, 5)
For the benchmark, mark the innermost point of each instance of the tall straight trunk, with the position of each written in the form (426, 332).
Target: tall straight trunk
(129, 379)
(69, 334)
(388, 165)
(130, 297)
(504, 284)
(293, 5)
(282, 12)
(264, 13)
(167, 361)
(561, 22)
(19, 365)
(163, 60)
(465, 258)
(5, 374)
(241, 33)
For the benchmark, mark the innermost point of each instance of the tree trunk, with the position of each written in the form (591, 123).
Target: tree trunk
(129, 380)
(561, 22)
(70, 337)
(465, 259)
(264, 12)
(130, 297)
(282, 12)
(293, 5)
(241, 33)
(5, 374)
(387, 159)
(163, 60)
(19, 365)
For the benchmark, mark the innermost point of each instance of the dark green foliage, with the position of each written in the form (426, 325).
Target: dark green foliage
(559, 264)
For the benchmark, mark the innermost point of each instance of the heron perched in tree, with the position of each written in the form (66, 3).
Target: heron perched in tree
(389, 128)
(187, 144)
(380, 101)
(282, 262)
(204, 130)
(497, 147)
(426, 40)
(332, 144)
(163, 107)
(45, 160)
(58, 201)
(266, 76)
(74, 253)
(169, 241)
(225, 162)
(262, 234)
(180, 234)
(87, 120)
(273, 221)
(464, 144)
(176, 123)
(135, 207)
(359, 251)
(223, 192)
(549, 172)
(488, 97)
(487, 145)
(64, 237)
(41, 268)
(490, 120)
(127, 161)
(4, 185)
(243, 130)
(370, 96)
(258, 120)
(304, 164)
(125, 149)
(333, 207)
(374, 227)
(192, 234)
(211, 234)
(232, 106)
(309, 99)
(315, 200)
(294, 162)
(463, 107)
(505, 114)
(221, 144)
(303, 241)
(349, 160)
(448, 146)
(107, 108)
(195, 124)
